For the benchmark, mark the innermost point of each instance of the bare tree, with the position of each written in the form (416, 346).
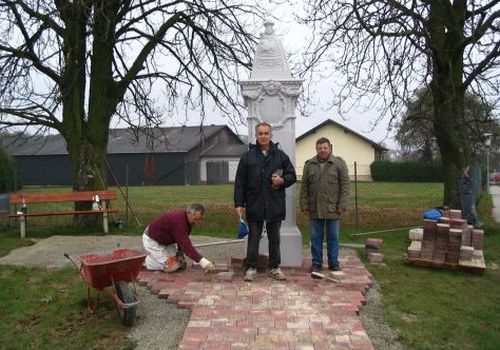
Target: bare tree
(72, 66)
(388, 48)
(415, 129)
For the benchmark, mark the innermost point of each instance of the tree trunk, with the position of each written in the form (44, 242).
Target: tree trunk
(452, 156)
(87, 135)
(72, 85)
(446, 36)
(89, 169)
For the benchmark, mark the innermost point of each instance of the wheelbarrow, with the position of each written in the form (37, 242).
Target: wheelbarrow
(115, 269)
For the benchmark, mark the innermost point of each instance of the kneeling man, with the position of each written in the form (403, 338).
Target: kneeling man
(167, 239)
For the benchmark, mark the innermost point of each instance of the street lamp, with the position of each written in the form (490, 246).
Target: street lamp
(487, 143)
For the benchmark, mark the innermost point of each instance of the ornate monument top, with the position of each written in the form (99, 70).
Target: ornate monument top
(270, 61)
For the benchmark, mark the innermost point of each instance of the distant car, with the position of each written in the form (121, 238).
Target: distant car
(495, 177)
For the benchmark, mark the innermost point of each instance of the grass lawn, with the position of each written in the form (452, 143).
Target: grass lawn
(440, 309)
(379, 205)
(431, 309)
(50, 304)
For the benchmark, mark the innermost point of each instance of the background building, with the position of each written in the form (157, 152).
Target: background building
(348, 144)
(157, 156)
(179, 155)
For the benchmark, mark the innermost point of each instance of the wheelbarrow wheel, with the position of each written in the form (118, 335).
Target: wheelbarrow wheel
(127, 315)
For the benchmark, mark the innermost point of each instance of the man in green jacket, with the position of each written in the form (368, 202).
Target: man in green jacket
(324, 195)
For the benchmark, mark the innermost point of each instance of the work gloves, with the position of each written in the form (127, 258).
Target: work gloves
(206, 265)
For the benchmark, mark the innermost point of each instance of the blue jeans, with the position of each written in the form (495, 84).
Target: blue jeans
(332, 240)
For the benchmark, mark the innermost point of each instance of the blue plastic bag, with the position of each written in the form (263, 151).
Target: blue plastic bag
(243, 229)
(433, 214)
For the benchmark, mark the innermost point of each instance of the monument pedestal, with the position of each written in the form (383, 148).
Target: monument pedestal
(271, 96)
(290, 246)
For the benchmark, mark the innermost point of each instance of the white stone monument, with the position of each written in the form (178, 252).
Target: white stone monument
(270, 96)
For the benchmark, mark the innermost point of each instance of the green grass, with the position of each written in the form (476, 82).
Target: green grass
(9, 240)
(440, 308)
(430, 308)
(49, 303)
(379, 205)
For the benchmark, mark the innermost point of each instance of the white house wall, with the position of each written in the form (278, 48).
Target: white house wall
(345, 144)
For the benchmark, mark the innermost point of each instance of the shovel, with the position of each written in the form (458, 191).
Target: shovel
(321, 276)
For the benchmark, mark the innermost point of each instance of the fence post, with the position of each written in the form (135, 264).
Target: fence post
(356, 211)
(126, 193)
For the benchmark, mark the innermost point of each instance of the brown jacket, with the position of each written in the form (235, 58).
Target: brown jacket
(324, 190)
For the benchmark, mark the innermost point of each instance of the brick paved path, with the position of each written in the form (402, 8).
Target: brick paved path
(300, 313)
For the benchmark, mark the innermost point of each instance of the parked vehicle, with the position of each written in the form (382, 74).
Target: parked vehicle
(495, 177)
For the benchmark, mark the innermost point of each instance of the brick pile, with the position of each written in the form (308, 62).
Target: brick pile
(447, 242)
(373, 250)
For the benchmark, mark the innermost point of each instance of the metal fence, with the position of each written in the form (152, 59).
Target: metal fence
(373, 205)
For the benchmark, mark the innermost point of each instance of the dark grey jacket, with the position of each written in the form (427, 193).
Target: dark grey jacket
(252, 185)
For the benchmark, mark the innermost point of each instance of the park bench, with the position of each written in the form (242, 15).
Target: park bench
(17, 200)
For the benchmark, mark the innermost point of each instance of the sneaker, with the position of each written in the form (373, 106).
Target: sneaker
(315, 268)
(250, 274)
(277, 274)
(335, 268)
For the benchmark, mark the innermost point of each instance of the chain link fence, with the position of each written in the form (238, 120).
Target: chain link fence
(373, 205)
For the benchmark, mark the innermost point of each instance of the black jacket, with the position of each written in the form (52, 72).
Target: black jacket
(252, 186)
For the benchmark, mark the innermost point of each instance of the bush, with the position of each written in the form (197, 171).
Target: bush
(7, 177)
(385, 170)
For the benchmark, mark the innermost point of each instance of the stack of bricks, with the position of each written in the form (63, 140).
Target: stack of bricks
(428, 240)
(416, 236)
(454, 244)
(373, 248)
(448, 241)
(477, 239)
(441, 244)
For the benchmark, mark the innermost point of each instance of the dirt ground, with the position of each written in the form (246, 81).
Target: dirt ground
(160, 325)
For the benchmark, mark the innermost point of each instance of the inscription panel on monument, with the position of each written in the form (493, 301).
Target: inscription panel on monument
(271, 109)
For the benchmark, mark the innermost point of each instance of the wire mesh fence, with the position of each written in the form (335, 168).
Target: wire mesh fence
(373, 205)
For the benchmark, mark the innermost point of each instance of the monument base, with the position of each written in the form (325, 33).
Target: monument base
(290, 246)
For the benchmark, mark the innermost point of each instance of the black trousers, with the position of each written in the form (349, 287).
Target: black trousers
(254, 235)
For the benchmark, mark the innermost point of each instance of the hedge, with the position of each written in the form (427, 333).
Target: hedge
(385, 170)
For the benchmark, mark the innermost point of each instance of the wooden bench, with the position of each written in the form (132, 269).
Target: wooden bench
(17, 199)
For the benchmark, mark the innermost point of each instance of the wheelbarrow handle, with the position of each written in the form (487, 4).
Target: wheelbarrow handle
(72, 260)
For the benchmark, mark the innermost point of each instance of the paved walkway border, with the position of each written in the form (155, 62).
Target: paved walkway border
(300, 313)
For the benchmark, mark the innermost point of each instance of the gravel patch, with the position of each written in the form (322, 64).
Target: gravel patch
(381, 335)
(160, 324)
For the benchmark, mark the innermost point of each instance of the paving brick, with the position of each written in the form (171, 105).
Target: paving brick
(301, 313)
(224, 276)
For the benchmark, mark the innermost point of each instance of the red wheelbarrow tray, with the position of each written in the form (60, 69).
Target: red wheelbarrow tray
(100, 270)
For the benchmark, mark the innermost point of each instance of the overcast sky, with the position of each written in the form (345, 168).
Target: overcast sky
(294, 38)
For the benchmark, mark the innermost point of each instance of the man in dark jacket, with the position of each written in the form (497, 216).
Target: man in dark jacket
(264, 172)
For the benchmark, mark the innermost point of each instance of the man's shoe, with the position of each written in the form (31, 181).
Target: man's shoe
(172, 264)
(315, 268)
(250, 274)
(335, 268)
(277, 274)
